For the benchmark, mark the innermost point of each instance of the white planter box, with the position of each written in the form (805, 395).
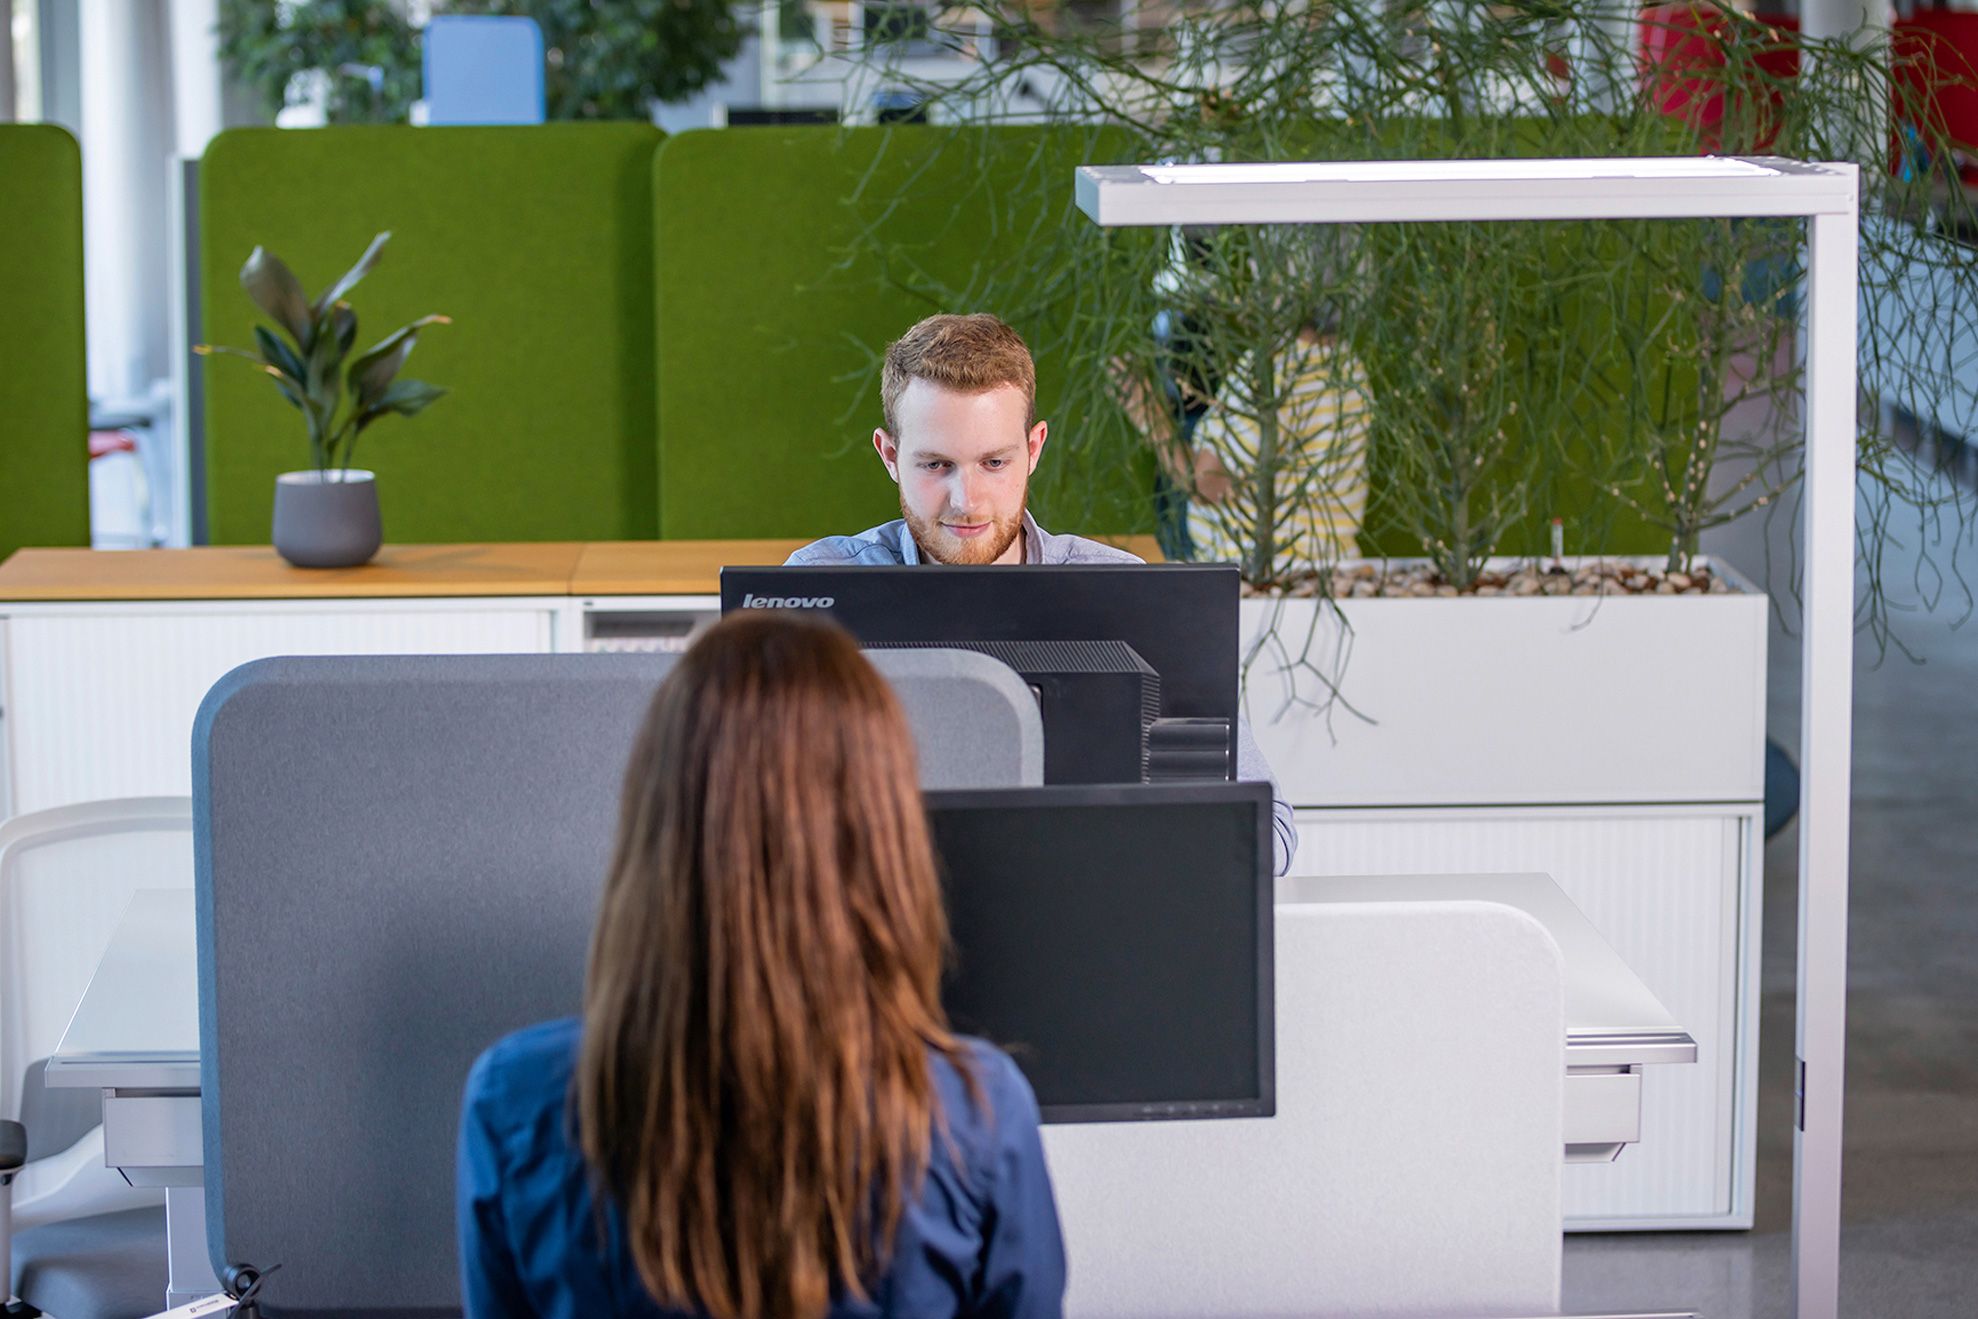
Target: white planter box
(1512, 700)
(1615, 743)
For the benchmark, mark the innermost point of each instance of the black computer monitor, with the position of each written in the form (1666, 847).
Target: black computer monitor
(1117, 942)
(1134, 665)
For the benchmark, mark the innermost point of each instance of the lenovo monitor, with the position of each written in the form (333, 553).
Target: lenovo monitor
(1133, 665)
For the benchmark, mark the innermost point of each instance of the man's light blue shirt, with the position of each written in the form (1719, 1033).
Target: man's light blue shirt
(891, 544)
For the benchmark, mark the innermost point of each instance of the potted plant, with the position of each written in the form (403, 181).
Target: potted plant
(1513, 382)
(1519, 373)
(326, 516)
(1437, 683)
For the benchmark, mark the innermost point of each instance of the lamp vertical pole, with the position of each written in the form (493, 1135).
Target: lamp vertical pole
(1826, 711)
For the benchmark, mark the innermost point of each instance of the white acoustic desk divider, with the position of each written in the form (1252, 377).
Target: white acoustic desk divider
(1827, 194)
(1412, 1167)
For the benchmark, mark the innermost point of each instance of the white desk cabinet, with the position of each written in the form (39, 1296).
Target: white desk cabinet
(1673, 889)
(99, 698)
(104, 659)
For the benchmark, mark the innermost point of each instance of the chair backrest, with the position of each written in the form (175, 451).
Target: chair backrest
(55, 1117)
(483, 69)
(66, 875)
(399, 860)
(1413, 1166)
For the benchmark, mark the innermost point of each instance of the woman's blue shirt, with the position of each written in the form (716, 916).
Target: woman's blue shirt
(980, 1239)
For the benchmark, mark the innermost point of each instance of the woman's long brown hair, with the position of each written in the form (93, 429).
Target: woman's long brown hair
(753, 1088)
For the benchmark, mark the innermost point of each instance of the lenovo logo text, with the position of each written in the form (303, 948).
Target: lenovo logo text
(753, 601)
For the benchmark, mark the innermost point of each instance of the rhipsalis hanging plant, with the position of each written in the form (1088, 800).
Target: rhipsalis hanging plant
(1445, 391)
(305, 354)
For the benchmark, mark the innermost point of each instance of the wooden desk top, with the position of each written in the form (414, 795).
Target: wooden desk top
(256, 572)
(668, 567)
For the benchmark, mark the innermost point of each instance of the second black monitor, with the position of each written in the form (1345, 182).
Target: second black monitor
(1117, 941)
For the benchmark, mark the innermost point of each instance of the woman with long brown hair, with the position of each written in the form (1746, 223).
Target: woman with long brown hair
(762, 1111)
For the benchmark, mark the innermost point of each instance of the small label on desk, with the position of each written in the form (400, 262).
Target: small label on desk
(220, 1303)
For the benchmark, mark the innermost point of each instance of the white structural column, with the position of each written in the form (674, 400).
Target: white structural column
(126, 137)
(198, 111)
(8, 92)
(1840, 18)
(1419, 191)
(1826, 750)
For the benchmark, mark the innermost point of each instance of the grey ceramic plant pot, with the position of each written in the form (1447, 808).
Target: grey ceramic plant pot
(327, 523)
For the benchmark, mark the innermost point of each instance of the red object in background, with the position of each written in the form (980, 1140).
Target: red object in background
(1936, 54)
(1685, 49)
(104, 443)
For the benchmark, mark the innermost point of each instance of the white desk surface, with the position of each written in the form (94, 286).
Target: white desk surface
(1610, 1014)
(138, 1023)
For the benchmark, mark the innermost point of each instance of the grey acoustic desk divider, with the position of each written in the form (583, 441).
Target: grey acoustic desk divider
(355, 954)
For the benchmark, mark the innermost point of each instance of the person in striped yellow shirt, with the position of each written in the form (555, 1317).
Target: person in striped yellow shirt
(1319, 494)
(1210, 454)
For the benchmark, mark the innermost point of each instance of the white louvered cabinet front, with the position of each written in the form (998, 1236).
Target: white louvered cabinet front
(1673, 889)
(99, 700)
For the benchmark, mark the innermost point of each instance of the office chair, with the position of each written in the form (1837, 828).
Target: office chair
(75, 1239)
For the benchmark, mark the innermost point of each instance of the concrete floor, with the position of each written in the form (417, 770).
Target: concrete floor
(1910, 1194)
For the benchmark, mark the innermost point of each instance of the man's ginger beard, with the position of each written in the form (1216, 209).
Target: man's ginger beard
(942, 546)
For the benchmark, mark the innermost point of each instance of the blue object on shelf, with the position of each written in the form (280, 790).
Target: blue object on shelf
(481, 69)
(1772, 278)
(1781, 788)
(898, 105)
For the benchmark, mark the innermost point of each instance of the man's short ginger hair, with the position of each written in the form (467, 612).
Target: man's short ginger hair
(969, 354)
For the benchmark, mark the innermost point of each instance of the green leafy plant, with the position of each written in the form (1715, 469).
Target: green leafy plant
(366, 50)
(305, 355)
(602, 61)
(612, 61)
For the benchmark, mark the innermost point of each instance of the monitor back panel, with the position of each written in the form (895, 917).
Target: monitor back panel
(1180, 618)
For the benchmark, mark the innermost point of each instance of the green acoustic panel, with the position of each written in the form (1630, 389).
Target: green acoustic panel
(44, 391)
(1564, 303)
(536, 240)
(786, 258)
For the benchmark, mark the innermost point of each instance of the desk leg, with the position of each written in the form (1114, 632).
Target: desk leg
(190, 1271)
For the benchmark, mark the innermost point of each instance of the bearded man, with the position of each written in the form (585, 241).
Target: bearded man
(960, 441)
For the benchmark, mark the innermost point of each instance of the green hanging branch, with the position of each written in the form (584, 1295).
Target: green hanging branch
(1608, 371)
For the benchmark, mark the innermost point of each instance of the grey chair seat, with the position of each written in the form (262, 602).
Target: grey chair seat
(109, 1266)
